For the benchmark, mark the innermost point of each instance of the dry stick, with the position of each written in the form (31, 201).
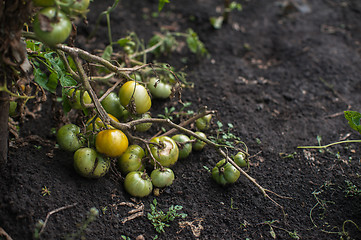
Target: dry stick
(52, 212)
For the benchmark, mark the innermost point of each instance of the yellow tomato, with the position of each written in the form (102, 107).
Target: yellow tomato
(112, 142)
(138, 94)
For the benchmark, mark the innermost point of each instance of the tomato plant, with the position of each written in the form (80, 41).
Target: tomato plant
(184, 145)
(111, 142)
(75, 98)
(69, 139)
(165, 150)
(89, 163)
(52, 26)
(138, 184)
(198, 145)
(162, 177)
(134, 96)
(111, 104)
(225, 173)
(158, 88)
(131, 159)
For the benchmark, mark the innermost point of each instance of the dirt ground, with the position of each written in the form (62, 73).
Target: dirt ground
(282, 76)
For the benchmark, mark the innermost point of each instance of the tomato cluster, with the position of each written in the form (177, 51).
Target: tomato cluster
(52, 23)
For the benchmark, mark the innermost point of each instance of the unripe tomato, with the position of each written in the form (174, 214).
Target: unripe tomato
(165, 152)
(98, 123)
(88, 163)
(159, 89)
(241, 159)
(68, 138)
(184, 149)
(44, 3)
(52, 29)
(143, 127)
(111, 104)
(138, 184)
(162, 177)
(132, 92)
(74, 98)
(111, 142)
(131, 159)
(225, 173)
(198, 145)
(204, 122)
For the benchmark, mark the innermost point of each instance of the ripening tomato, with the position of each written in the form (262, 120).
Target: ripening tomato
(51, 28)
(111, 142)
(158, 88)
(143, 127)
(134, 96)
(204, 122)
(225, 173)
(98, 123)
(165, 152)
(74, 98)
(111, 104)
(131, 159)
(241, 159)
(198, 145)
(89, 163)
(138, 184)
(162, 177)
(69, 139)
(185, 147)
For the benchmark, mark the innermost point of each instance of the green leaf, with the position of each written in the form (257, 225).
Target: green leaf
(353, 118)
(216, 22)
(161, 4)
(108, 51)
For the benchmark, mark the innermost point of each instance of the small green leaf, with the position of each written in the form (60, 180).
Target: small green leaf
(161, 4)
(108, 51)
(353, 118)
(216, 22)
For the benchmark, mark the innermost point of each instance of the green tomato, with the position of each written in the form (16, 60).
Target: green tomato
(159, 89)
(166, 151)
(137, 95)
(241, 159)
(225, 174)
(44, 3)
(12, 108)
(198, 145)
(131, 159)
(138, 184)
(74, 98)
(68, 138)
(52, 29)
(204, 123)
(143, 127)
(162, 177)
(111, 104)
(185, 147)
(88, 163)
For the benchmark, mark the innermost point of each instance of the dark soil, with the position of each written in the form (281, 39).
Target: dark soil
(282, 78)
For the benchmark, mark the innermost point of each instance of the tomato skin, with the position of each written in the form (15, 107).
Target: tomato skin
(60, 29)
(111, 142)
(162, 178)
(143, 127)
(138, 94)
(131, 159)
(111, 104)
(225, 174)
(159, 89)
(44, 3)
(74, 98)
(198, 145)
(88, 163)
(98, 123)
(185, 149)
(138, 184)
(204, 122)
(168, 154)
(241, 159)
(68, 139)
